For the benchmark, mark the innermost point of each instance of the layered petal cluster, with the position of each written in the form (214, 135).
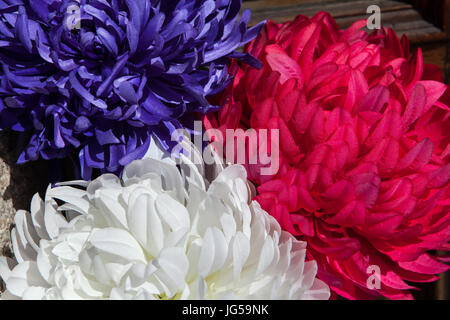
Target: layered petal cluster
(364, 132)
(156, 234)
(94, 79)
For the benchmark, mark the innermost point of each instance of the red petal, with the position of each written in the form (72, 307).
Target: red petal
(280, 62)
(425, 264)
(417, 157)
(416, 105)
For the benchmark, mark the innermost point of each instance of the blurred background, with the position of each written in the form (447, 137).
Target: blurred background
(425, 22)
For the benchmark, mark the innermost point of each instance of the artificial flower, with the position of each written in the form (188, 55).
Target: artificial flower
(157, 233)
(364, 132)
(93, 80)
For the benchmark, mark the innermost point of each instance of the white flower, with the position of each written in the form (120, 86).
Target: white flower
(157, 233)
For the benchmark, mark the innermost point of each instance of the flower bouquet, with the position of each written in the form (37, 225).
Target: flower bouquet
(213, 160)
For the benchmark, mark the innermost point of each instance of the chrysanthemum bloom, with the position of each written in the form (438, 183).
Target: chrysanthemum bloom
(364, 150)
(95, 79)
(156, 234)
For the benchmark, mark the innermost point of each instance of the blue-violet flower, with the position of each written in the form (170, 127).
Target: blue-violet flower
(95, 79)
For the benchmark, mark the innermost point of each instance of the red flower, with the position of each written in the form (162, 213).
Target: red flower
(364, 149)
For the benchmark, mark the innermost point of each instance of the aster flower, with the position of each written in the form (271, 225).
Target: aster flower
(364, 150)
(156, 234)
(95, 79)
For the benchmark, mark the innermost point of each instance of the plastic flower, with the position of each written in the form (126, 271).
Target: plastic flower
(364, 150)
(96, 79)
(156, 234)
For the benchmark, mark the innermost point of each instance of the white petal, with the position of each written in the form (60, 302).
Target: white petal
(111, 209)
(171, 176)
(6, 265)
(64, 250)
(54, 220)
(220, 249)
(37, 215)
(8, 296)
(193, 255)
(75, 197)
(202, 288)
(107, 181)
(145, 223)
(23, 276)
(195, 199)
(240, 245)
(44, 262)
(117, 242)
(228, 225)
(241, 190)
(22, 250)
(25, 229)
(145, 294)
(191, 172)
(231, 174)
(158, 153)
(266, 255)
(81, 183)
(172, 212)
(99, 270)
(172, 269)
(309, 275)
(177, 238)
(118, 294)
(117, 271)
(34, 293)
(206, 260)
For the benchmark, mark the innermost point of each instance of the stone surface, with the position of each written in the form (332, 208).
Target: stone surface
(18, 183)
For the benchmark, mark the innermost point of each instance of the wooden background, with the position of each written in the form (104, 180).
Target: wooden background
(425, 22)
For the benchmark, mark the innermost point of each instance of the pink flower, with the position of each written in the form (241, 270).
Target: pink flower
(364, 150)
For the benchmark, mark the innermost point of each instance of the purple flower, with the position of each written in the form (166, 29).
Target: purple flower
(95, 79)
